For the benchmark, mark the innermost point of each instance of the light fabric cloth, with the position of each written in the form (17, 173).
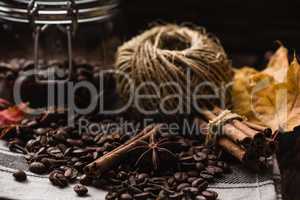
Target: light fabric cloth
(239, 185)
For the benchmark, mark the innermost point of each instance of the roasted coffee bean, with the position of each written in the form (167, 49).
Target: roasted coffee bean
(59, 137)
(111, 196)
(192, 179)
(41, 131)
(200, 156)
(126, 196)
(214, 170)
(141, 177)
(152, 189)
(191, 190)
(197, 182)
(52, 163)
(171, 180)
(180, 176)
(202, 186)
(162, 195)
(142, 196)
(81, 190)
(192, 173)
(74, 142)
(205, 151)
(200, 166)
(78, 152)
(71, 173)
(210, 170)
(207, 176)
(37, 167)
(212, 157)
(16, 148)
(176, 196)
(55, 152)
(212, 162)
(158, 179)
(57, 178)
(200, 197)
(122, 175)
(79, 164)
(210, 195)
(32, 144)
(85, 180)
(181, 186)
(43, 140)
(20, 175)
(62, 147)
(198, 148)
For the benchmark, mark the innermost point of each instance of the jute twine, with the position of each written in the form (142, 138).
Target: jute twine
(165, 54)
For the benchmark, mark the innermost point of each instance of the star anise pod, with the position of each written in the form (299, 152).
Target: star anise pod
(157, 149)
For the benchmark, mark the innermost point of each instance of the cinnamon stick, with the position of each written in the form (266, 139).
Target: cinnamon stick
(224, 142)
(245, 156)
(253, 133)
(230, 131)
(232, 148)
(257, 133)
(113, 158)
(267, 131)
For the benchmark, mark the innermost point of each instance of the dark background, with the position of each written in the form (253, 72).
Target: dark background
(247, 29)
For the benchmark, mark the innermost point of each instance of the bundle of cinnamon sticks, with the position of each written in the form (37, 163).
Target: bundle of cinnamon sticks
(250, 143)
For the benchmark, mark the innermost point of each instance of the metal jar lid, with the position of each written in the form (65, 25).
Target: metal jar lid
(56, 11)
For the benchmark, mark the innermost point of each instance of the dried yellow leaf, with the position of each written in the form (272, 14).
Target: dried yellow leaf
(278, 65)
(241, 90)
(272, 96)
(269, 105)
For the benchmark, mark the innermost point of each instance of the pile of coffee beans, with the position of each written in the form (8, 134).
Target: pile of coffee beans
(52, 147)
(197, 168)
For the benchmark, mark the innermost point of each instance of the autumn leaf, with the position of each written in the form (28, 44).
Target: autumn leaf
(269, 105)
(272, 96)
(241, 90)
(278, 65)
(293, 94)
(12, 115)
(246, 79)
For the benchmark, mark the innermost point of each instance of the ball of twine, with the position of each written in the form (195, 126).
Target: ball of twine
(165, 54)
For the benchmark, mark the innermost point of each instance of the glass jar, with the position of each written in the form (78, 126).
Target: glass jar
(76, 35)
